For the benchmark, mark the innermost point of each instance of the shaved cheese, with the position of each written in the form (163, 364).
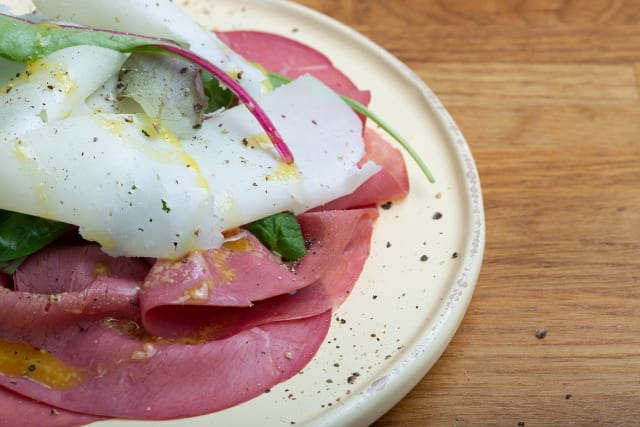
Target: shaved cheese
(140, 191)
(51, 88)
(161, 19)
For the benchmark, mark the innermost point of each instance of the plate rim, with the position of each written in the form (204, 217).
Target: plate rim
(408, 370)
(409, 367)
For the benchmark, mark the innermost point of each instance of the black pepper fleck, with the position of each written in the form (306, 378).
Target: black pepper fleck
(437, 215)
(424, 258)
(386, 206)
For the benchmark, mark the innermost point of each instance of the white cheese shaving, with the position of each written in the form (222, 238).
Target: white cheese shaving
(138, 190)
(161, 19)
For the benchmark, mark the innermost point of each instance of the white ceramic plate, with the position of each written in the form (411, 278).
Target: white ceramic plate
(404, 310)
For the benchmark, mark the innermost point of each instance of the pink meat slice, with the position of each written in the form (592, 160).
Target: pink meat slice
(232, 338)
(129, 376)
(340, 243)
(390, 183)
(290, 58)
(17, 410)
(96, 332)
(73, 268)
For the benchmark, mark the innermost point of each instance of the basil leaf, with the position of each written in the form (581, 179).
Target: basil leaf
(22, 235)
(280, 233)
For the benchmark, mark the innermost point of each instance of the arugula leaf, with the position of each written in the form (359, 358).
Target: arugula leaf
(280, 233)
(278, 80)
(22, 235)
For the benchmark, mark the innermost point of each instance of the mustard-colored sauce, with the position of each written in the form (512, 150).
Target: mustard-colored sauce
(101, 269)
(26, 361)
(286, 172)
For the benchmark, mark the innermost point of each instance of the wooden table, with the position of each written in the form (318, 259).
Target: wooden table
(546, 93)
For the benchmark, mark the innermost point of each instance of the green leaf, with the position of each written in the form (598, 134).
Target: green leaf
(168, 90)
(278, 80)
(280, 233)
(22, 235)
(23, 41)
(218, 96)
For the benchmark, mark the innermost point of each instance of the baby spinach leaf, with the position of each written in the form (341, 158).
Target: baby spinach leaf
(218, 96)
(22, 235)
(280, 233)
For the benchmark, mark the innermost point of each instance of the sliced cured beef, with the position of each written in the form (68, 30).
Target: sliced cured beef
(68, 269)
(390, 183)
(17, 410)
(100, 336)
(290, 58)
(71, 349)
(227, 290)
(106, 369)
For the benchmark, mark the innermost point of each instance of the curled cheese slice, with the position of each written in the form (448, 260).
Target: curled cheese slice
(140, 191)
(161, 19)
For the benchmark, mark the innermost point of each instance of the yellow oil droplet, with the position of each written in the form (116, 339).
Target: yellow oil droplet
(26, 361)
(260, 140)
(64, 82)
(170, 138)
(220, 258)
(241, 244)
(23, 152)
(33, 67)
(199, 292)
(286, 172)
(104, 239)
(101, 269)
(147, 352)
(113, 126)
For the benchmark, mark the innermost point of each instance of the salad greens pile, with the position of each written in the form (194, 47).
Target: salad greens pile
(24, 41)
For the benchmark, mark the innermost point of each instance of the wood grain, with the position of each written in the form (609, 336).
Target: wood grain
(547, 95)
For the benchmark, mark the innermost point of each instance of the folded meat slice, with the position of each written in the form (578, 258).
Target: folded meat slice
(71, 349)
(106, 369)
(210, 291)
(99, 342)
(390, 183)
(69, 269)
